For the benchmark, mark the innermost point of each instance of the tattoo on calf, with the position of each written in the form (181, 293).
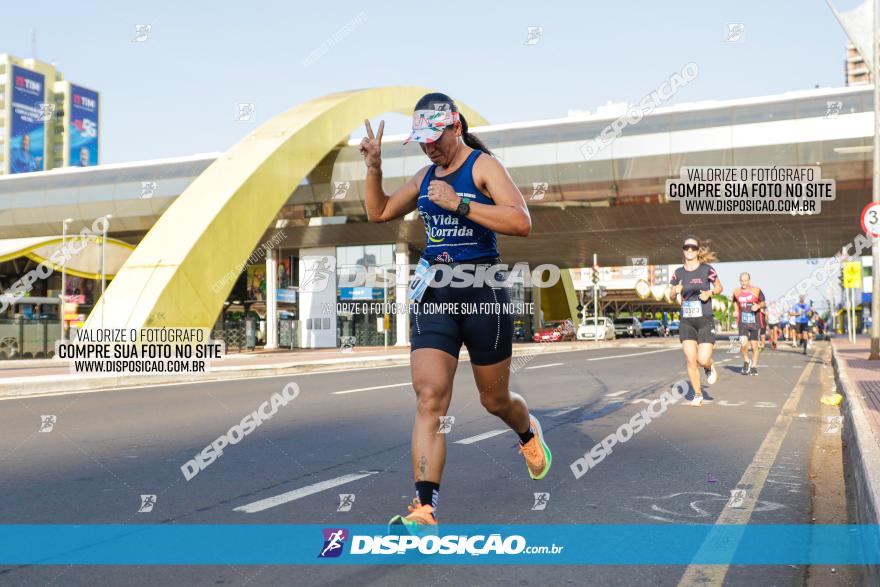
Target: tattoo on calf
(423, 468)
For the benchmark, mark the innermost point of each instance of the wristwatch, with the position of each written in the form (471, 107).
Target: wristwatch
(464, 207)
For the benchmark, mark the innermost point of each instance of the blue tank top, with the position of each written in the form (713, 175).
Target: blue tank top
(448, 236)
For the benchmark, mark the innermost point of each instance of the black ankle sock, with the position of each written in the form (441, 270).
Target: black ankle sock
(428, 493)
(526, 436)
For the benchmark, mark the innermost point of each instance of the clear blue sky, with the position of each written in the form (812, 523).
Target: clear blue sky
(176, 92)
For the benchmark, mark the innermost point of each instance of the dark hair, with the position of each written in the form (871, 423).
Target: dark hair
(704, 253)
(430, 101)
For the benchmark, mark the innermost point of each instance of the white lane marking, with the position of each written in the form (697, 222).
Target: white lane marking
(270, 502)
(542, 366)
(754, 478)
(483, 436)
(617, 393)
(371, 388)
(631, 355)
(562, 412)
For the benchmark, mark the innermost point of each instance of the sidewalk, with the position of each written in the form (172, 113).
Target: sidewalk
(50, 376)
(858, 380)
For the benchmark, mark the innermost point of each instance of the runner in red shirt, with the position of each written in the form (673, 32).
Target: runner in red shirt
(749, 305)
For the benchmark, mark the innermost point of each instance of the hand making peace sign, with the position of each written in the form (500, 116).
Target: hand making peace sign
(371, 145)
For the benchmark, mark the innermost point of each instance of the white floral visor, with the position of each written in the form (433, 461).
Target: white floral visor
(428, 125)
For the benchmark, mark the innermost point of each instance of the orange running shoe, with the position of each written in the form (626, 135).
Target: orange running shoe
(419, 519)
(536, 452)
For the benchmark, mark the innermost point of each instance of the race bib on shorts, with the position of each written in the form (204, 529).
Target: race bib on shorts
(692, 309)
(420, 280)
(748, 317)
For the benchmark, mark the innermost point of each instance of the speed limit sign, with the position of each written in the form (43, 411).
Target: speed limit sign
(871, 219)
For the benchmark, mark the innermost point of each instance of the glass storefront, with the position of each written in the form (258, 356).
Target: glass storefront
(365, 282)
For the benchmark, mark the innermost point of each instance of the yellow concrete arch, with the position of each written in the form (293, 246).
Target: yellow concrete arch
(217, 221)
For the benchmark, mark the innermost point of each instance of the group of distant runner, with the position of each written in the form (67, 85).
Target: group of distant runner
(694, 284)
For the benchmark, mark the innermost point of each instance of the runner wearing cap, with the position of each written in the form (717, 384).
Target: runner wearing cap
(465, 197)
(749, 303)
(695, 283)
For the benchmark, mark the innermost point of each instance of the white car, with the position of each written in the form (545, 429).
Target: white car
(591, 330)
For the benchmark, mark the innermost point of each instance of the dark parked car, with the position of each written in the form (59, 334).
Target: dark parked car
(673, 327)
(627, 327)
(653, 328)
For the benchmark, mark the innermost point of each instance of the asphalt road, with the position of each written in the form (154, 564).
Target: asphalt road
(108, 448)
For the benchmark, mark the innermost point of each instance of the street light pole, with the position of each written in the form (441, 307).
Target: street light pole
(875, 184)
(63, 276)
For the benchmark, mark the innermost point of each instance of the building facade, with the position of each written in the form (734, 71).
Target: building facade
(46, 122)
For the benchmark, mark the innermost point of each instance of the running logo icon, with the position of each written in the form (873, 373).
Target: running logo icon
(334, 540)
(148, 502)
(347, 344)
(541, 500)
(316, 274)
(148, 188)
(346, 500)
(141, 32)
(539, 190)
(832, 108)
(446, 423)
(535, 34)
(340, 189)
(736, 343)
(735, 31)
(245, 112)
(47, 423)
(47, 111)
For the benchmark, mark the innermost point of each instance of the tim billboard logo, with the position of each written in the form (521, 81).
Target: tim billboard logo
(334, 540)
(84, 101)
(27, 84)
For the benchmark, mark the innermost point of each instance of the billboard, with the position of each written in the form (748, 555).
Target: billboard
(83, 127)
(27, 132)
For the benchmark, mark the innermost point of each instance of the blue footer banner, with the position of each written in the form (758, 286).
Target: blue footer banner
(281, 544)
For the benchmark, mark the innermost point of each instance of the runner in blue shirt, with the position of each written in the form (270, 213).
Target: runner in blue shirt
(465, 197)
(801, 312)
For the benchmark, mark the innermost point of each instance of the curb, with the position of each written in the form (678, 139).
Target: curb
(861, 450)
(54, 384)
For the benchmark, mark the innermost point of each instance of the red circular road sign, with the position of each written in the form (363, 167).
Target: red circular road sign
(871, 219)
